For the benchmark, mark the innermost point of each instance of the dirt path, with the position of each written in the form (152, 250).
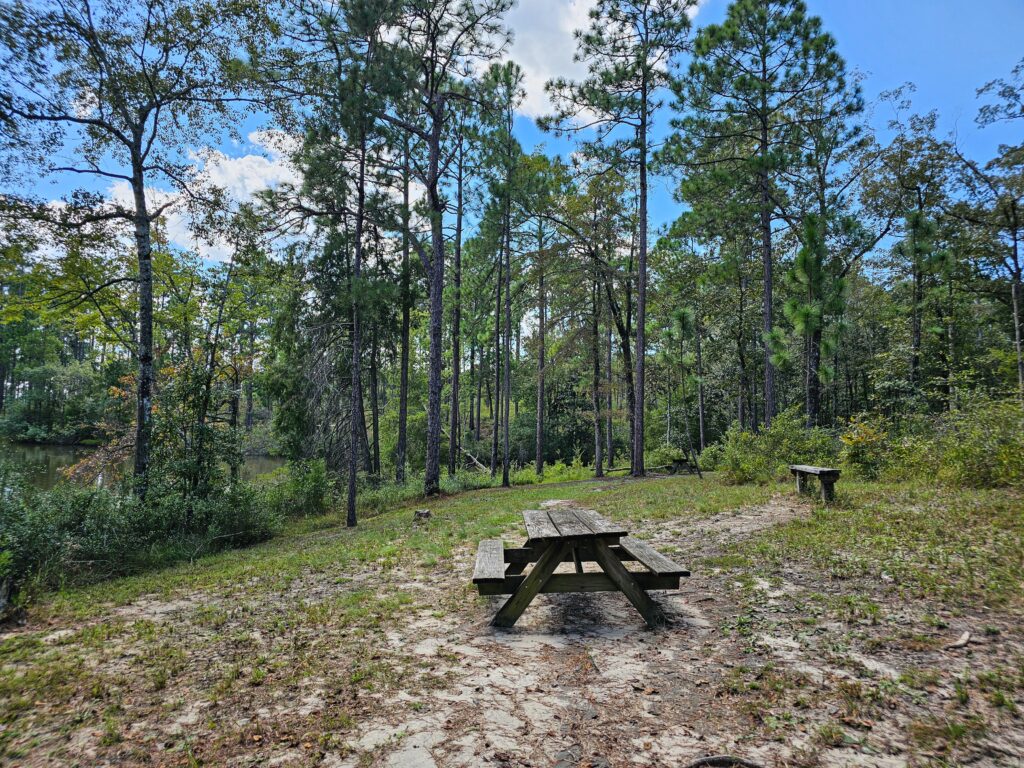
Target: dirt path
(785, 667)
(580, 680)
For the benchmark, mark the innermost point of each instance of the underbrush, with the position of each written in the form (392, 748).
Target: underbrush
(73, 534)
(979, 446)
(765, 456)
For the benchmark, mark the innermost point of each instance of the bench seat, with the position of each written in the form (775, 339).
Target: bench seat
(827, 477)
(490, 562)
(651, 558)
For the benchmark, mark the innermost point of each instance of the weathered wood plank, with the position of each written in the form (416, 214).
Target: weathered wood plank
(531, 585)
(580, 582)
(539, 526)
(524, 555)
(652, 558)
(806, 469)
(599, 525)
(628, 583)
(569, 525)
(490, 562)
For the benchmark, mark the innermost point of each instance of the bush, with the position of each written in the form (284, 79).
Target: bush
(299, 489)
(663, 455)
(711, 457)
(73, 534)
(865, 446)
(765, 456)
(981, 446)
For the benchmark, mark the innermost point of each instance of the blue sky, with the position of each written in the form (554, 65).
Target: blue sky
(947, 48)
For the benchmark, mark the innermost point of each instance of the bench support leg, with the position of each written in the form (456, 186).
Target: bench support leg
(828, 490)
(801, 483)
(531, 585)
(624, 580)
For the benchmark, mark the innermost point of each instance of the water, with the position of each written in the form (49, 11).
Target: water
(43, 464)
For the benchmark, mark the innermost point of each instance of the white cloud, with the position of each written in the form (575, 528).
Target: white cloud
(544, 45)
(242, 176)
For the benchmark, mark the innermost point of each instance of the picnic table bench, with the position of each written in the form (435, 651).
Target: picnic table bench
(827, 478)
(578, 536)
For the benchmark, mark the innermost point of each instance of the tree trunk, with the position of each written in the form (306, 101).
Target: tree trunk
(1015, 300)
(609, 447)
(641, 295)
(403, 383)
(813, 383)
(472, 386)
(700, 387)
(766, 256)
(248, 380)
(496, 406)
(455, 429)
(374, 406)
(144, 388)
(479, 393)
(507, 349)
(595, 352)
(541, 351)
(355, 289)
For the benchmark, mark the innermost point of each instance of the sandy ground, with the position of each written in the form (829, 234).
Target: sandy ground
(580, 681)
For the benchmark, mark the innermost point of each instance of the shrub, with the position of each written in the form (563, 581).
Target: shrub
(663, 455)
(865, 446)
(981, 446)
(764, 456)
(711, 457)
(301, 488)
(74, 534)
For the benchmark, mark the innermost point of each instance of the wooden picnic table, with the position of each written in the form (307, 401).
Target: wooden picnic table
(578, 536)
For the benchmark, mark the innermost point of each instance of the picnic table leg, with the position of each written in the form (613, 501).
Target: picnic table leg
(576, 558)
(515, 569)
(624, 580)
(531, 585)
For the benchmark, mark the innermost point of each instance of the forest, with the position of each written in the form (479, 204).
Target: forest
(421, 304)
(342, 238)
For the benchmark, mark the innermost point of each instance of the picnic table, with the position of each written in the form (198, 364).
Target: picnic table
(578, 536)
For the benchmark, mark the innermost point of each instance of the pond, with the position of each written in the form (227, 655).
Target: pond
(43, 464)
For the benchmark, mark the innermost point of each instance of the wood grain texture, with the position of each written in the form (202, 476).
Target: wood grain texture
(628, 583)
(490, 562)
(580, 582)
(652, 558)
(531, 585)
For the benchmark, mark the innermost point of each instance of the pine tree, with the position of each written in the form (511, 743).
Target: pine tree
(629, 48)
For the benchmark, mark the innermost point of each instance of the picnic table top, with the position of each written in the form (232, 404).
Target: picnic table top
(544, 525)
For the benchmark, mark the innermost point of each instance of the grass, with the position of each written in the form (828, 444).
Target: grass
(316, 589)
(384, 540)
(928, 542)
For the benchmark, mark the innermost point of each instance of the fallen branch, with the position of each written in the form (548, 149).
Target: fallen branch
(466, 453)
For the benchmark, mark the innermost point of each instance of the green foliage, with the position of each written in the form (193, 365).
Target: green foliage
(865, 446)
(663, 454)
(981, 446)
(75, 534)
(764, 456)
(556, 472)
(711, 457)
(300, 489)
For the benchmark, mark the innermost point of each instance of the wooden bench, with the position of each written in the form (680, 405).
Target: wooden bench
(572, 536)
(827, 478)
